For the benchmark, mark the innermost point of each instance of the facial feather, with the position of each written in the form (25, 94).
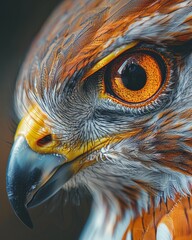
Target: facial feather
(153, 161)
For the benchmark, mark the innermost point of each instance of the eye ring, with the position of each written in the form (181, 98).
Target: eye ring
(114, 88)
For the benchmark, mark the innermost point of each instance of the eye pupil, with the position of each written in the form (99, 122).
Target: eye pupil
(133, 77)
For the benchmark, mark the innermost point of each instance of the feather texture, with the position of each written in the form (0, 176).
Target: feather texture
(141, 183)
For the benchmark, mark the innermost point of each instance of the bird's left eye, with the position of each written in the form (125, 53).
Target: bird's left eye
(136, 77)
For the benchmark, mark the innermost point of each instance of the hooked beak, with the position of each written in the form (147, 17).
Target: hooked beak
(40, 163)
(32, 178)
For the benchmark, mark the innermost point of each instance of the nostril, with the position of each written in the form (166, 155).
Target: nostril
(45, 140)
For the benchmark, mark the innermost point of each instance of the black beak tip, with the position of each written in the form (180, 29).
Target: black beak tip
(22, 213)
(26, 220)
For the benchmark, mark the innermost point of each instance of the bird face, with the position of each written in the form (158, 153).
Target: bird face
(105, 104)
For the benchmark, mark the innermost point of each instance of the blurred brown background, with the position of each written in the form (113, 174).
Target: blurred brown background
(20, 21)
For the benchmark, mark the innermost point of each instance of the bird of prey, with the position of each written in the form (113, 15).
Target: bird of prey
(105, 102)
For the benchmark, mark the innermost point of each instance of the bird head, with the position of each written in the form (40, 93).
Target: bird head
(104, 102)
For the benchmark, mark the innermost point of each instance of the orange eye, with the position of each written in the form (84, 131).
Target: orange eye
(136, 77)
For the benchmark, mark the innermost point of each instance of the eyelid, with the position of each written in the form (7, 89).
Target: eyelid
(103, 62)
